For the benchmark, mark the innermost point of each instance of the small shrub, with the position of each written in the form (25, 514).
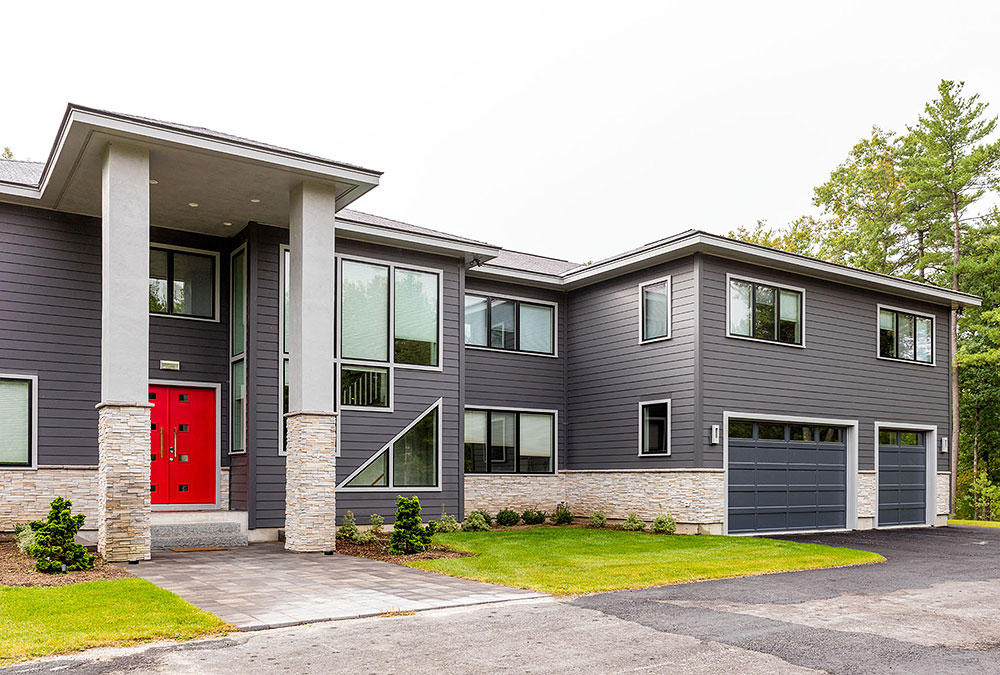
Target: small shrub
(376, 522)
(447, 523)
(474, 522)
(24, 537)
(487, 517)
(409, 534)
(562, 515)
(664, 524)
(53, 546)
(533, 517)
(349, 531)
(633, 524)
(508, 518)
(597, 519)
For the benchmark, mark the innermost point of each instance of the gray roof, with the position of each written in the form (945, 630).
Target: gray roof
(528, 262)
(399, 226)
(16, 171)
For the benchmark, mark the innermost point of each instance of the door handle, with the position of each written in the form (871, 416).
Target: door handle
(161, 442)
(173, 449)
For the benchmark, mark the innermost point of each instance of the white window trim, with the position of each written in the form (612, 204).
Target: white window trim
(367, 364)
(388, 449)
(217, 309)
(924, 315)
(670, 310)
(218, 444)
(852, 463)
(532, 301)
(930, 467)
(242, 356)
(780, 286)
(670, 424)
(555, 435)
(32, 464)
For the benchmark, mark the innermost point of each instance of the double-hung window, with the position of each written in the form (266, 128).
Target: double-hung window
(510, 324)
(17, 415)
(182, 283)
(654, 303)
(237, 351)
(509, 441)
(905, 336)
(765, 311)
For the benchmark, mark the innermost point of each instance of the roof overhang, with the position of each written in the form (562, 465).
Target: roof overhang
(216, 171)
(418, 241)
(692, 242)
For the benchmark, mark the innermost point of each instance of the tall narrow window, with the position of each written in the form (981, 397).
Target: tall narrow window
(364, 311)
(654, 426)
(476, 320)
(507, 441)
(904, 336)
(656, 310)
(237, 353)
(502, 329)
(511, 325)
(765, 312)
(181, 283)
(239, 304)
(416, 317)
(15, 421)
(238, 407)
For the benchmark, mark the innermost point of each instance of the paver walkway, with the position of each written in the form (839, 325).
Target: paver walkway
(264, 586)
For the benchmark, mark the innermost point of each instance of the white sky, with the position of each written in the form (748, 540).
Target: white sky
(574, 129)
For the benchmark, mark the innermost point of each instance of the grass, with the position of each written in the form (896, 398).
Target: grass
(36, 621)
(974, 523)
(573, 560)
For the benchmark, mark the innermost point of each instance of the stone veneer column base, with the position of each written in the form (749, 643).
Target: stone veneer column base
(123, 501)
(311, 482)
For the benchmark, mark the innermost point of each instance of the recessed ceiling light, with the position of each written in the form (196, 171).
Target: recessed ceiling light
(153, 181)
(193, 205)
(227, 223)
(255, 201)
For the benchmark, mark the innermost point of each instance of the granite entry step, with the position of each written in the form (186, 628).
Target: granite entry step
(263, 586)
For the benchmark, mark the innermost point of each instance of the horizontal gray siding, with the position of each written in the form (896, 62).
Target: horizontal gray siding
(361, 433)
(609, 372)
(50, 314)
(837, 375)
(514, 380)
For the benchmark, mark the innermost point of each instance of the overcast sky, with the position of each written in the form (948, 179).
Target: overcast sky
(572, 129)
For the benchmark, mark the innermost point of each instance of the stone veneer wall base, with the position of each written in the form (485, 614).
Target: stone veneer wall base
(123, 503)
(311, 482)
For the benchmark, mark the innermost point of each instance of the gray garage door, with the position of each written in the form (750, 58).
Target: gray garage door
(902, 477)
(786, 477)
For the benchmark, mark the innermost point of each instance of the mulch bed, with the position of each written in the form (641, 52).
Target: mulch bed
(18, 569)
(378, 549)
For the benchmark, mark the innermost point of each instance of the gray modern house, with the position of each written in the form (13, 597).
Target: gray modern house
(196, 329)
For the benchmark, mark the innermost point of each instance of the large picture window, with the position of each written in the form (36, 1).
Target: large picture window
(182, 283)
(505, 441)
(655, 309)
(411, 460)
(654, 428)
(16, 421)
(904, 336)
(509, 324)
(761, 311)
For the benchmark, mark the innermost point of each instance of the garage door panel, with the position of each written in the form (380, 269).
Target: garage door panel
(787, 485)
(902, 480)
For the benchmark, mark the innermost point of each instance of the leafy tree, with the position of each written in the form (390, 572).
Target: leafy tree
(7, 153)
(948, 165)
(799, 236)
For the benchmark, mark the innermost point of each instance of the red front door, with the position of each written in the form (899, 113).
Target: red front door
(182, 450)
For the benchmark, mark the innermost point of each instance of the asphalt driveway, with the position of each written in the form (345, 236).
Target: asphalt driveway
(934, 606)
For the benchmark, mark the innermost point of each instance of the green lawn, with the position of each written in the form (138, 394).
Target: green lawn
(571, 560)
(36, 621)
(974, 523)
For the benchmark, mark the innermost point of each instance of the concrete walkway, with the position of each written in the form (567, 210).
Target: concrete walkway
(264, 586)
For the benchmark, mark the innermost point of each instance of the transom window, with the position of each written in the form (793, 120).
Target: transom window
(411, 460)
(762, 311)
(16, 421)
(654, 428)
(508, 324)
(655, 309)
(509, 441)
(786, 433)
(182, 283)
(905, 336)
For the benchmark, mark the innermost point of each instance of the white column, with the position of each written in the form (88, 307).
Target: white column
(310, 462)
(123, 415)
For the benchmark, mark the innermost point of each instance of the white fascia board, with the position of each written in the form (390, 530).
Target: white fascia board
(414, 240)
(495, 273)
